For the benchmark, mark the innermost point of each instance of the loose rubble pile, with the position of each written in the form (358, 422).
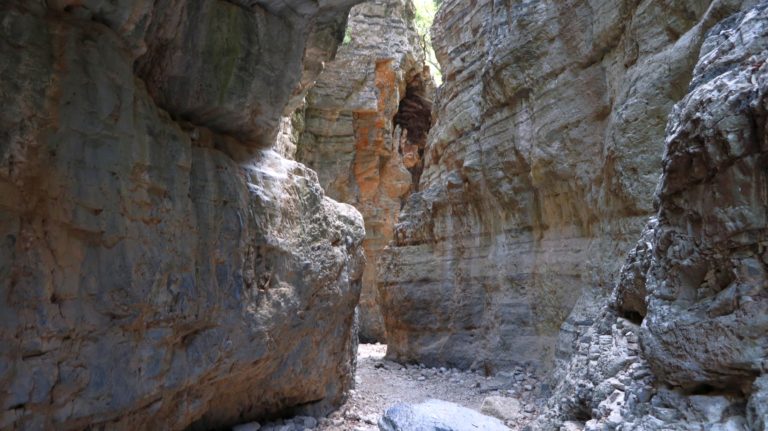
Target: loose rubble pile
(513, 397)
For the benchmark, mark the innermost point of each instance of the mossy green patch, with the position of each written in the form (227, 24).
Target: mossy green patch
(223, 45)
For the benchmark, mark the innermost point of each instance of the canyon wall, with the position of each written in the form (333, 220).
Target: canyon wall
(365, 123)
(539, 171)
(160, 266)
(683, 341)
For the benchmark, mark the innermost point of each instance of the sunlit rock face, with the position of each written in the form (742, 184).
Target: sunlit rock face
(160, 268)
(539, 171)
(683, 342)
(365, 126)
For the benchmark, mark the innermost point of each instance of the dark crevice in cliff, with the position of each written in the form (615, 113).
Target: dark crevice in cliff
(414, 117)
(634, 317)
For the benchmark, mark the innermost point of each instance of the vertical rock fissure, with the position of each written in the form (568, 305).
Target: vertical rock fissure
(366, 124)
(414, 119)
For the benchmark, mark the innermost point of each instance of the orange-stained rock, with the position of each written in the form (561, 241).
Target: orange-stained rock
(356, 133)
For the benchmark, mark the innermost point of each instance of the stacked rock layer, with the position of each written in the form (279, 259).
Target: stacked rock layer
(539, 171)
(683, 341)
(365, 127)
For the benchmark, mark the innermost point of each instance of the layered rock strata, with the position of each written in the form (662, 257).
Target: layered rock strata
(160, 268)
(539, 171)
(683, 342)
(365, 126)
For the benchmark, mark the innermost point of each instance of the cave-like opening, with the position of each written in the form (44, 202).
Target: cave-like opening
(414, 118)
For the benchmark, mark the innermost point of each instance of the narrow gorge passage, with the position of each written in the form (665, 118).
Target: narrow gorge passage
(392, 215)
(380, 384)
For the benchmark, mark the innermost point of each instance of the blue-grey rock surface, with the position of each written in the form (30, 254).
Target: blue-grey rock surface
(437, 415)
(683, 342)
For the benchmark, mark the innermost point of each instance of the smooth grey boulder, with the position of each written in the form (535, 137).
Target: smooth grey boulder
(437, 415)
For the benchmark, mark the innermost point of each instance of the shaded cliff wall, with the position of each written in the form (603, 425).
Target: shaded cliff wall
(365, 125)
(539, 171)
(160, 267)
(683, 342)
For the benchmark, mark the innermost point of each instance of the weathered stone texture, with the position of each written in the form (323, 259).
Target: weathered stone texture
(539, 170)
(437, 415)
(696, 286)
(147, 279)
(359, 134)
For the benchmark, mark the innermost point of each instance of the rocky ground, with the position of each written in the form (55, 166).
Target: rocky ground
(380, 384)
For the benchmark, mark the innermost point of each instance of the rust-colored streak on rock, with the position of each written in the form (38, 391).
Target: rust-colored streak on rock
(352, 138)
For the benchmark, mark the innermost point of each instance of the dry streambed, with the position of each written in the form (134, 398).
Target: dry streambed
(380, 384)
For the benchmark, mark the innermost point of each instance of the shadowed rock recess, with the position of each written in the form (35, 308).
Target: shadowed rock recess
(148, 279)
(569, 234)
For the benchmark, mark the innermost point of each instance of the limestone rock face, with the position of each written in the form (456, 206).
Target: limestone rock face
(707, 282)
(365, 124)
(692, 354)
(147, 279)
(539, 171)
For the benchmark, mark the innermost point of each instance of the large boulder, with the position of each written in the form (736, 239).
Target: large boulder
(437, 415)
(147, 279)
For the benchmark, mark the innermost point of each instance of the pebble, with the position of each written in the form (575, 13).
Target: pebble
(529, 408)
(308, 421)
(528, 387)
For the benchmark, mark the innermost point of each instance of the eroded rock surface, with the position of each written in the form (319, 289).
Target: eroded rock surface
(365, 125)
(683, 342)
(539, 171)
(147, 279)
